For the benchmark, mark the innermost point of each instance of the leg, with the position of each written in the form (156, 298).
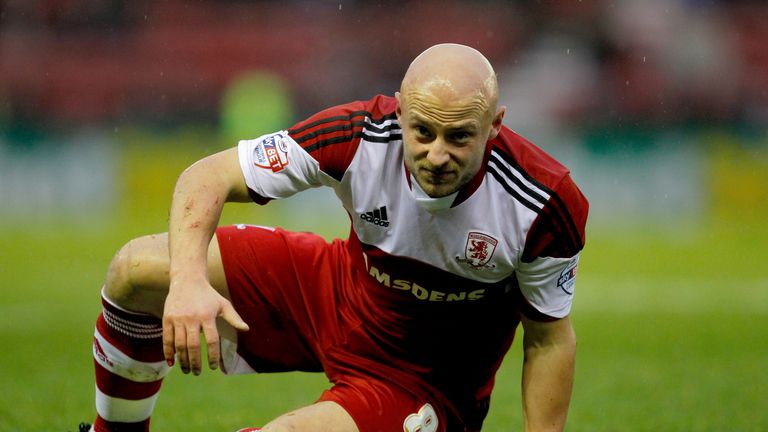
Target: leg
(286, 271)
(137, 279)
(321, 417)
(128, 353)
(368, 404)
(286, 286)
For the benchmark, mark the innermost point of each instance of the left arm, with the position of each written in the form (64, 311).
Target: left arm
(548, 366)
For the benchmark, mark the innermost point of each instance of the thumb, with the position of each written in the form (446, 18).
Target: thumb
(232, 317)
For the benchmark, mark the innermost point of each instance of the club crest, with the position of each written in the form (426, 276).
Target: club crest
(479, 250)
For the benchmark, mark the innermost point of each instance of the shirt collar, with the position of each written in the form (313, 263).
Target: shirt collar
(426, 201)
(454, 199)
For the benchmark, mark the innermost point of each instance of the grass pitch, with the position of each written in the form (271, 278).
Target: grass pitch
(671, 328)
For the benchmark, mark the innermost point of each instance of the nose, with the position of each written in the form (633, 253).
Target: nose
(438, 155)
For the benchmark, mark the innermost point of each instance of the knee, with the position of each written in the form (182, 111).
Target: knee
(136, 273)
(285, 423)
(323, 415)
(282, 427)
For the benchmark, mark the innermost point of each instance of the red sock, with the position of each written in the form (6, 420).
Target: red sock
(130, 366)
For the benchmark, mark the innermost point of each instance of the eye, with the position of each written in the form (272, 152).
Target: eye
(422, 131)
(460, 136)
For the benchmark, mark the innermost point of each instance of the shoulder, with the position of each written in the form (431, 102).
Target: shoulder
(525, 169)
(535, 179)
(332, 136)
(342, 122)
(527, 159)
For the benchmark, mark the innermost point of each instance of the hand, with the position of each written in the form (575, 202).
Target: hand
(192, 307)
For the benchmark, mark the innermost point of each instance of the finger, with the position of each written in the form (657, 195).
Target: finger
(193, 349)
(168, 346)
(180, 340)
(212, 344)
(232, 317)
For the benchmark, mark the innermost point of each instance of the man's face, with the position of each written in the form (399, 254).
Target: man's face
(444, 138)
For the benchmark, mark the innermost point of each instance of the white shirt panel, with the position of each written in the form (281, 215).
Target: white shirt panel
(441, 238)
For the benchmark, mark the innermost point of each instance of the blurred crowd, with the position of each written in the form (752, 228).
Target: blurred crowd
(573, 64)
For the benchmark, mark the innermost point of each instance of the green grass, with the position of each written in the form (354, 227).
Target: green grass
(673, 336)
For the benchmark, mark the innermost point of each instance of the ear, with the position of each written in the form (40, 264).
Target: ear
(398, 107)
(496, 122)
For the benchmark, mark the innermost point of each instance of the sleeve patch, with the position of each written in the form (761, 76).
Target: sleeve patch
(548, 284)
(567, 278)
(271, 152)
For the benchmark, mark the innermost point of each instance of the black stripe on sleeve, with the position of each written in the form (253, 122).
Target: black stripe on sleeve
(347, 127)
(559, 216)
(297, 133)
(346, 138)
(525, 188)
(503, 181)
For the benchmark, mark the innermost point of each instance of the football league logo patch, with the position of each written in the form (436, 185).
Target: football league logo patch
(567, 278)
(479, 250)
(272, 152)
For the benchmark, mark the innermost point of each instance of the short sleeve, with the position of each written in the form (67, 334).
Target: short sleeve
(547, 271)
(548, 284)
(275, 166)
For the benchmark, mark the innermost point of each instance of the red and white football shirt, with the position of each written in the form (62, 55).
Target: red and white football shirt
(439, 284)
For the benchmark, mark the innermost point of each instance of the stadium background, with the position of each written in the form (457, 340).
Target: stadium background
(659, 107)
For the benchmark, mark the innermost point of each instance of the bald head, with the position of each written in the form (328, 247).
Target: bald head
(447, 108)
(452, 72)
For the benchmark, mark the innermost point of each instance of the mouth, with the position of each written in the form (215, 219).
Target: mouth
(436, 177)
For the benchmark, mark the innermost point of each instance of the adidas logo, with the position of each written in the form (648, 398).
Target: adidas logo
(376, 217)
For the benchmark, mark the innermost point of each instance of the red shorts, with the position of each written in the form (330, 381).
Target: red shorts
(285, 286)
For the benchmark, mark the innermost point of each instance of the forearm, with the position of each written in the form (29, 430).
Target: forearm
(193, 304)
(198, 200)
(548, 370)
(195, 211)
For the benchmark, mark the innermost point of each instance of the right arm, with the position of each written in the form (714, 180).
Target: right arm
(193, 304)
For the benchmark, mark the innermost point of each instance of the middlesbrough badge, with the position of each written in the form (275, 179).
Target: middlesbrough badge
(478, 250)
